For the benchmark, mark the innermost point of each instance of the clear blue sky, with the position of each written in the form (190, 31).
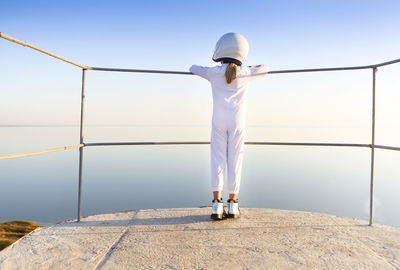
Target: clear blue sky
(176, 34)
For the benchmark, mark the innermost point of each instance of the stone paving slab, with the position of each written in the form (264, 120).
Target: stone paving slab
(186, 238)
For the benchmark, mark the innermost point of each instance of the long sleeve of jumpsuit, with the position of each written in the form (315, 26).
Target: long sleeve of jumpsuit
(228, 122)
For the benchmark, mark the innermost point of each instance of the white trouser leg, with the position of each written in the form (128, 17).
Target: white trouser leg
(218, 146)
(235, 159)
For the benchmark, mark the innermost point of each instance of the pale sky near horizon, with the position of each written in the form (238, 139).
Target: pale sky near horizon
(172, 35)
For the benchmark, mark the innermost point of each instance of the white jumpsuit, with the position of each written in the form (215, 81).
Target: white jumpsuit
(228, 122)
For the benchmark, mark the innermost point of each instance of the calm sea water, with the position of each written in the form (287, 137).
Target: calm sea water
(321, 179)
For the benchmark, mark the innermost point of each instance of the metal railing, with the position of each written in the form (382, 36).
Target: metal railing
(82, 144)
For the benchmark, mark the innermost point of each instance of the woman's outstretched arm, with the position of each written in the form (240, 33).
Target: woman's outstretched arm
(257, 71)
(200, 70)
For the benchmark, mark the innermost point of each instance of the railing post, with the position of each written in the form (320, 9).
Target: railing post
(371, 195)
(81, 141)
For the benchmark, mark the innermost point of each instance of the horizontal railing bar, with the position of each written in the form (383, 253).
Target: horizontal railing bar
(191, 143)
(335, 69)
(387, 63)
(310, 144)
(141, 143)
(387, 147)
(190, 73)
(140, 70)
(269, 72)
(317, 69)
(41, 152)
(250, 143)
(23, 43)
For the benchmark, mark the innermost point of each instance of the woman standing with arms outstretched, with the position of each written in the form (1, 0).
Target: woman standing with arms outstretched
(229, 82)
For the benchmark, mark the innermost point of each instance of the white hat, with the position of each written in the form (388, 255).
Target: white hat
(231, 47)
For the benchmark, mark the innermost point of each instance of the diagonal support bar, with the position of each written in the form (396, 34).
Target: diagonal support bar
(23, 43)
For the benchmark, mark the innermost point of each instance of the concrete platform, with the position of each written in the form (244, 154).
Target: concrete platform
(186, 238)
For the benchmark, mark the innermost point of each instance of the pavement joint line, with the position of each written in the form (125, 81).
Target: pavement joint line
(374, 253)
(110, 251)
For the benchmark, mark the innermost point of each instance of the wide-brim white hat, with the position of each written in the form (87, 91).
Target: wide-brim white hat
(231, 47)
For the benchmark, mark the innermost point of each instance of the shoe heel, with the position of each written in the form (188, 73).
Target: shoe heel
(216, 216)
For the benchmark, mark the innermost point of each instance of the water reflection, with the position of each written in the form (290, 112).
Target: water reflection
(330, 180)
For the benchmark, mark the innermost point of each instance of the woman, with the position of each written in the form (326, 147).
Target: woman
(229, 82)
